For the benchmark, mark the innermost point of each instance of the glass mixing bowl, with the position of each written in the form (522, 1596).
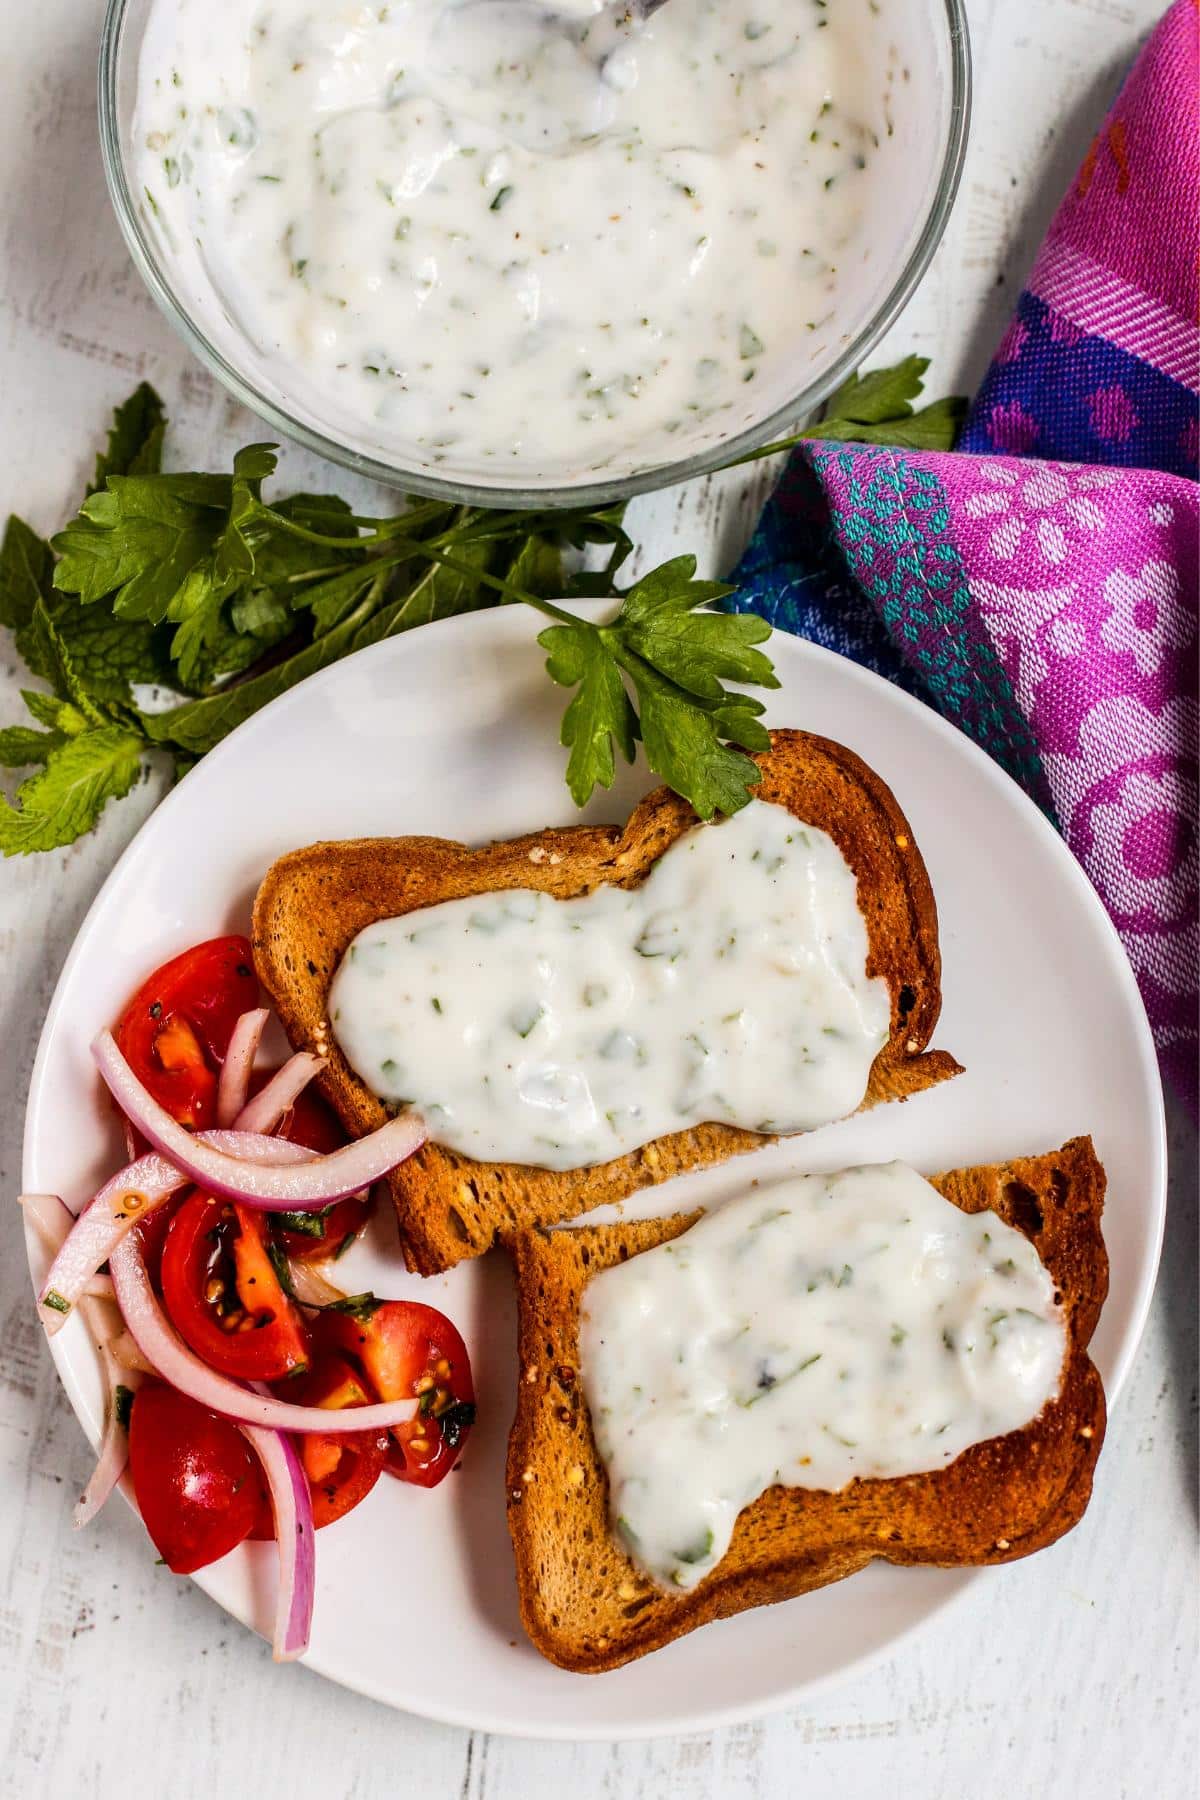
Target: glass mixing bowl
(907, 202)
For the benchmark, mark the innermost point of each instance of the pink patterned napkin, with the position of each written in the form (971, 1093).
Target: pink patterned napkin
(1039, 585)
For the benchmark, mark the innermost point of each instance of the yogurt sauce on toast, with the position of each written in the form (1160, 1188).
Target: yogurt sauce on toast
(823, 1329)
(729, 986)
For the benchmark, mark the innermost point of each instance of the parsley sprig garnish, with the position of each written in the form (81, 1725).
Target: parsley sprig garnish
(203, 588)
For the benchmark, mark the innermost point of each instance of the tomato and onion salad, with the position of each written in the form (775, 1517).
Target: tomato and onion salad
(216, 1269)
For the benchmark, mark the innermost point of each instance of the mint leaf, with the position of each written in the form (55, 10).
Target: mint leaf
(599, 715)
(108, 654)
(55, 714)
(191, 581)
(25, 570)
(199, 724)
(20, 746)
(67, 796)
(45, 650)
(135, 438)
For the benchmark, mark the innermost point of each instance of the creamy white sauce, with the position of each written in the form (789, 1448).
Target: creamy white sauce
(730, 985)
(491, 232)
(822, 1329)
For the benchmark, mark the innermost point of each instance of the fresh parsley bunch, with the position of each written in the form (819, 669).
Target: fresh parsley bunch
(197, 585)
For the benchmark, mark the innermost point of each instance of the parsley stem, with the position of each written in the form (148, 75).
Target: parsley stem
(403, 524)
(508, 589)
(775, 449)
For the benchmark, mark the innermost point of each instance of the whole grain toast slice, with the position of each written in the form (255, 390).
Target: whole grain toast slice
(313, 902)
(588, 1607)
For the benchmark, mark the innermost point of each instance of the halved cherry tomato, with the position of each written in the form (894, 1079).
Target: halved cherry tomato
(152, 1234)
(175, 1031)
(223, 1295)
(197, 1481)
(324, 1234)
(314, 1236)
(407, 1348)
(342, 1467)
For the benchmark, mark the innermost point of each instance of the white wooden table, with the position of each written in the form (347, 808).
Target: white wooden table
(1070, 1674)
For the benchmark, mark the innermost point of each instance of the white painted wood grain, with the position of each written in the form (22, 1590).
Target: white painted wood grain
(1070, 1675)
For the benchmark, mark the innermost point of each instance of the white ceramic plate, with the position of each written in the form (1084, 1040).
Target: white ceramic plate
(453, 730)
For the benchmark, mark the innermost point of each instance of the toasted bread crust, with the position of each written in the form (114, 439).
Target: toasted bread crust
(586, 1605)
(313, 902)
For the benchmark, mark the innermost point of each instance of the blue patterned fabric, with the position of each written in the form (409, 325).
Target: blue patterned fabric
(894, 531)
(796, 575)
(1054, 391)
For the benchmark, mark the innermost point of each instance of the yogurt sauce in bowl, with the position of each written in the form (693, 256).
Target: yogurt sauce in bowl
(488, 236)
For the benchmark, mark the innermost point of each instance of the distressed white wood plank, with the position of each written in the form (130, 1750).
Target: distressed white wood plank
(1070, 1674)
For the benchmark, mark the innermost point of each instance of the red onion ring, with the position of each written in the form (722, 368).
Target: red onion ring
(310, 1185)
(114, 1445)
(279, 1094)
(161, 1344)
(151, 1179)
(295, 1536)
(53, 1221)
(126, 1197)
(233, 1084)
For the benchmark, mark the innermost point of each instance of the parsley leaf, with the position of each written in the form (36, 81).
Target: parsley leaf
(881, 395)
(138, 541)
(194, 584)
(877, 409)
(677, 661)
(935, 427)
(600, 714)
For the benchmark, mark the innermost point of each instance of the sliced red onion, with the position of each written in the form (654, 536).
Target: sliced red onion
(114, 1445)
(53, 1221)
(279, 1094)
(314, 1184)
(162, 1346)
(128, 1354)
(233, 1086)
(128, 1196)
(309, 1283)
(295, 1537)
